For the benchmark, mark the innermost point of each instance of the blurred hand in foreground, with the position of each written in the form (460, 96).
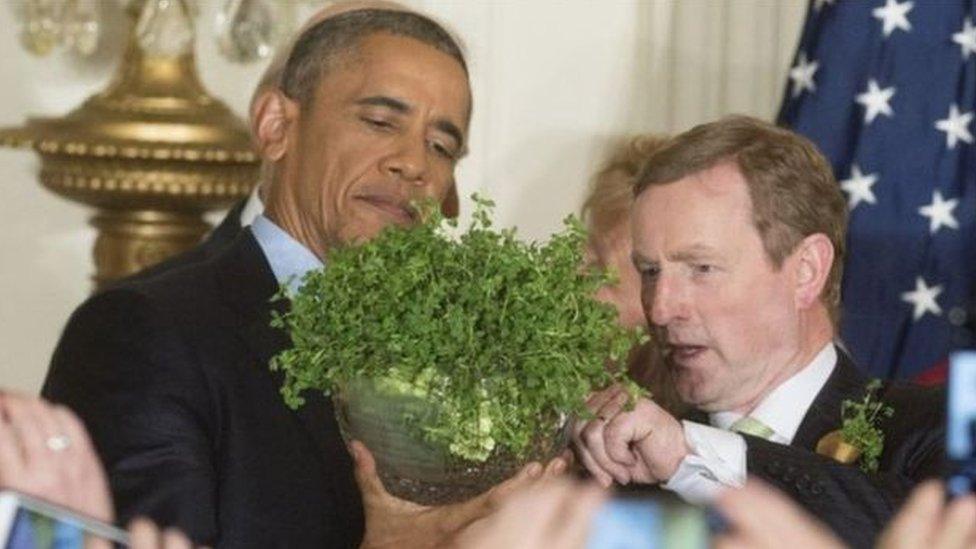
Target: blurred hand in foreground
(556, 513)
(760, 517)
(45, 452)
(928, 520)
(394, 522)
(144, 534)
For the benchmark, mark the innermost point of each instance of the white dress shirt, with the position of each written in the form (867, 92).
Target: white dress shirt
(718, 455)
(252, 208)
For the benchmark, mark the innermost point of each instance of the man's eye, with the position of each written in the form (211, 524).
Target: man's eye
(703, 268)
(378, 123)
(648, 271)
(442, 150)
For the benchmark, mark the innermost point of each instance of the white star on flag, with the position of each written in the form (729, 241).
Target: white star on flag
(966, 38)
(858, 187)
(923, 299)
(802, 75)
(955, 126)
(894, 16)
(875, 101)
(939, 212)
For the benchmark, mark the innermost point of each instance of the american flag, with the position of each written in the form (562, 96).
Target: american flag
(887, 90)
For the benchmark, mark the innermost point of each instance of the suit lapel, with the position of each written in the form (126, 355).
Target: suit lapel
(228, 229)
(824, 415)
(249, 284)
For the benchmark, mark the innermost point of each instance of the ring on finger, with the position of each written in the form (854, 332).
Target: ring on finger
(58, 443)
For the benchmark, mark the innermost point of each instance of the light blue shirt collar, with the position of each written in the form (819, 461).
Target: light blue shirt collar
(289, 259)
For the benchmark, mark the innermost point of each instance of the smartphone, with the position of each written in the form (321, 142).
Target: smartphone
(642, 522)
(961, 423)
(29, 523)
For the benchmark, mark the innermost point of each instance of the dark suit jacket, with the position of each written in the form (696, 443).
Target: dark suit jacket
(170, 375)
(854, 504)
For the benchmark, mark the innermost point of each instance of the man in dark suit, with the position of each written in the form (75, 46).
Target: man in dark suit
(170, 372)
(739, 238)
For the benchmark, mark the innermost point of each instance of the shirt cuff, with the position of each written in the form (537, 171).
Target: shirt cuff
(717, 461)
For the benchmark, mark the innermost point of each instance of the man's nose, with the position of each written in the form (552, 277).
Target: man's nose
(408, 161)
(663, 301)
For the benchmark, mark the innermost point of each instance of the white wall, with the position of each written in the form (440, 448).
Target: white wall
(554, 83)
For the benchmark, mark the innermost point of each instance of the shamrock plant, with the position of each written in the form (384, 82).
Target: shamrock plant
(860, 425)
(501, 336)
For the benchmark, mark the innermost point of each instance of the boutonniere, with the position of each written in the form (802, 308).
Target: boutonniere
(859, 437)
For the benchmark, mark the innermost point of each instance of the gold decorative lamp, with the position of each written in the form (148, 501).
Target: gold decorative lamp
(153, 152)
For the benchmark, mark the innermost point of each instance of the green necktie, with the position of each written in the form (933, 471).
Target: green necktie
(751, 426)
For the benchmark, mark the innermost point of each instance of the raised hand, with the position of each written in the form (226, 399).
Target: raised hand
(45, 452)
(645, 444)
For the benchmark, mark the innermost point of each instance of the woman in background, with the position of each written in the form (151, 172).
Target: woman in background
(606, 213)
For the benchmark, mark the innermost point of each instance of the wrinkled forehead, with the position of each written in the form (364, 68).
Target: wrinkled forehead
(385, 59)
(712, 206)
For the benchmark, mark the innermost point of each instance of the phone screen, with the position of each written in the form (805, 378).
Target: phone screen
(961, 427)
(28, 523)
(649, 523)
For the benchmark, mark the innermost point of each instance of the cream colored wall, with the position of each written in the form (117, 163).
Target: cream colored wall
(554, 83)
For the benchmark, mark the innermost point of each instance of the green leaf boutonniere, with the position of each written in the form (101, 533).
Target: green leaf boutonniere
(860, 425)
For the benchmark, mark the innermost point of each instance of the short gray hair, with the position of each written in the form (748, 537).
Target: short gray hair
(317, 48)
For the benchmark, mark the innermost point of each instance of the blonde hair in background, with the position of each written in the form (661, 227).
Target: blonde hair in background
(606, 211)
(611, 192)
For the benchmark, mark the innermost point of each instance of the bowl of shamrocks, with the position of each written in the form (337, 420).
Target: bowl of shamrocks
(456, 356)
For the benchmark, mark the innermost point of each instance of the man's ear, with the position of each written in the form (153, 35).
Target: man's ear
(272, 117)
(812, 260)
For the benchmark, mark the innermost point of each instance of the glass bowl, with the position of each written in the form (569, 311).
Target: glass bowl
(414, 469)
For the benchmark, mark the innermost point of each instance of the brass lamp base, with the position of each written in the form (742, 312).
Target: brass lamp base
(152, 153)
(131, 240)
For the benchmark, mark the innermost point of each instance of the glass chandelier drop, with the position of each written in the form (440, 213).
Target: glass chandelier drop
(244, 30)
